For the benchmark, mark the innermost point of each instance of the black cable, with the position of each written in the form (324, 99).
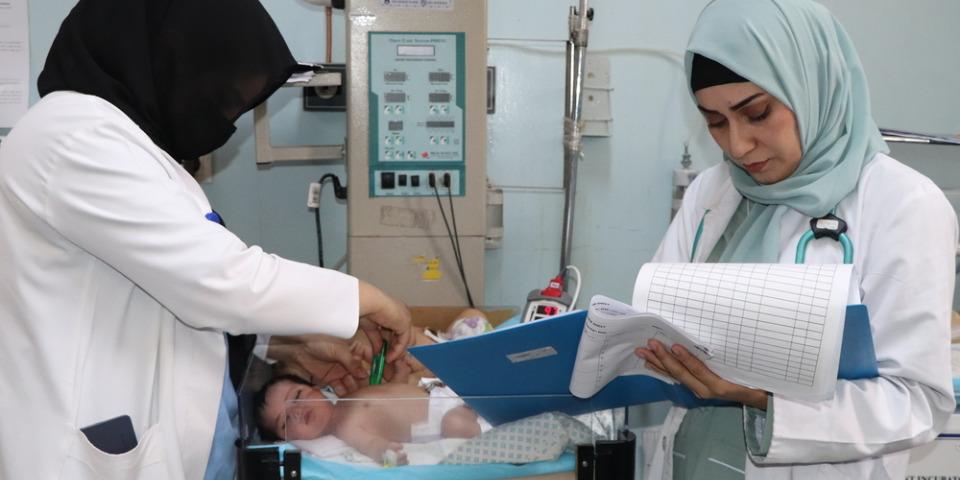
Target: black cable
(339, 193)
(456, 234)
(316, 216)
(456, 251)
(454, 243)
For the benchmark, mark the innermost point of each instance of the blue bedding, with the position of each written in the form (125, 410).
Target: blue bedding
(314, 469)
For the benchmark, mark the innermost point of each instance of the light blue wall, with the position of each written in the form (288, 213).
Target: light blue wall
(623, 201)
(908, 50)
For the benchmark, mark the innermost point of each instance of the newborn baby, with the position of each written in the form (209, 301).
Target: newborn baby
(361, 420)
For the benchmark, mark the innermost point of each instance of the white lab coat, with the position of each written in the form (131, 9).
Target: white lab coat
(115, 295)
(904, 234)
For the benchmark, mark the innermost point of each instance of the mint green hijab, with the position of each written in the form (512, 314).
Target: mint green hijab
(797, 52)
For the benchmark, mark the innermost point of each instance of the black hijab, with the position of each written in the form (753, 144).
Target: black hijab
(183, 70)
(706, 72)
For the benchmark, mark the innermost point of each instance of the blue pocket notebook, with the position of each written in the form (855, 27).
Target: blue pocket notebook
(535, 361)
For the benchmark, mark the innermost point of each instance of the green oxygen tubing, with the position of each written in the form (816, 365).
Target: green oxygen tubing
(826, 226)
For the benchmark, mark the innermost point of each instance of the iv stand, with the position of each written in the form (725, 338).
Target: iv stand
(572, 124)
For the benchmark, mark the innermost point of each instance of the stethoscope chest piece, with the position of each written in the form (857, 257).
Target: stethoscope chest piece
(828, 226)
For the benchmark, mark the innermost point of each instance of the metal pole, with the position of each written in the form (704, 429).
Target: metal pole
(572, 127)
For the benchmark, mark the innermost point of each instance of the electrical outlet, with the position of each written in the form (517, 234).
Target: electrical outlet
(313, 195)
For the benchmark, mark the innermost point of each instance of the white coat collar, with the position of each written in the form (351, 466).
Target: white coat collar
(716, 214)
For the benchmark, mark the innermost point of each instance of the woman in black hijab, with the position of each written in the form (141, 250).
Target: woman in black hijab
(117, 287)
(183, 71)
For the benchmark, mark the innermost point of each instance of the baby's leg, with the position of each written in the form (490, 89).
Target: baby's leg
(460, 422)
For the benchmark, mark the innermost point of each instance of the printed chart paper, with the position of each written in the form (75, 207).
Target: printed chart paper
(14, 61)
(611, 332)
(773, 326)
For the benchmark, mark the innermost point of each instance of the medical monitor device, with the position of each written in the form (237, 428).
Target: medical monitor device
(548, 302)
(416, 105)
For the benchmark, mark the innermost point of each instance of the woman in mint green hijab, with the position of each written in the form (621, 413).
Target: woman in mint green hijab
(785, 97)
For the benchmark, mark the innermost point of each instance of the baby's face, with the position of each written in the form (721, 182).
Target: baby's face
(296, 412)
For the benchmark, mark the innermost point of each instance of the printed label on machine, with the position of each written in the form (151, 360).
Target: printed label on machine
(429, 4)
(405, 217)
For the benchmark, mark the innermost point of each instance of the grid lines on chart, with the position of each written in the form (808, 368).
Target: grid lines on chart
(765, 318)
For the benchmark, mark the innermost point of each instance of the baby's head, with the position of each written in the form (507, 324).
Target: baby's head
(291, 408)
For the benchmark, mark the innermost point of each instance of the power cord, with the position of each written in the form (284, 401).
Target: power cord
(456, 234)
(453, 235)
(576, 293)
(340, 192)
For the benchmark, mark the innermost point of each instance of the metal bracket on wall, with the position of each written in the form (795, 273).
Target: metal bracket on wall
(903, 136)
(491, 89)
(494, 234)
(267, 154)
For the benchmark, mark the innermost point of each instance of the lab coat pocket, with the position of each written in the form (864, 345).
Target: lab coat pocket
(869, 468)
(145, 462)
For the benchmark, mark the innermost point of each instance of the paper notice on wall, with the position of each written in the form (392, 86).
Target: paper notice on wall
(14, 61)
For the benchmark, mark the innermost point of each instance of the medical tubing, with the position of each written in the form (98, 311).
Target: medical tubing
(454, 245)
(844, 240)
(696, 237)
(835, 232)
(328, 14)
(847, 249)
(576, 293)
(802, 247)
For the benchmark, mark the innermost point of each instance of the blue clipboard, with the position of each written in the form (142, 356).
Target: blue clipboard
(525, 370)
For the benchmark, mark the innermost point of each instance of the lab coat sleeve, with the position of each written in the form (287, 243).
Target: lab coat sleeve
(907, 248)
(758, 428)
(112, 196)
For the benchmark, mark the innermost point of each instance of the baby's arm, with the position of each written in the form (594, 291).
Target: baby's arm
(370, 443)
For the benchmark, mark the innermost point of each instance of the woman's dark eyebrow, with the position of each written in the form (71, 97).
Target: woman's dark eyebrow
(738, 106)
(745, 101)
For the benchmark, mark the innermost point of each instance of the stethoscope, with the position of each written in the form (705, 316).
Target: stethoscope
(829, 225)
